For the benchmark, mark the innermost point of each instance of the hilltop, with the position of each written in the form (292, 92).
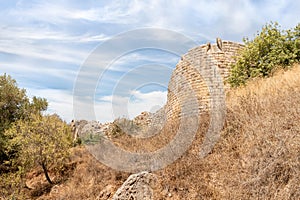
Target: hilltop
(257, 155)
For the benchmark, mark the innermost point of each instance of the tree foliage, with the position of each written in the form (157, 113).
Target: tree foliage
(13, 102)
(272, 48)
(14, 106)
(41, 141)
(27, 137)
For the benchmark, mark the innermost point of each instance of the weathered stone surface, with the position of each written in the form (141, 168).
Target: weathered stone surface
(90, 127)
(191, 74)
(137, 186)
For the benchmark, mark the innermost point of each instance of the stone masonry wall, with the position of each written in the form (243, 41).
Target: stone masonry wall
(191, 74)
(188, 91)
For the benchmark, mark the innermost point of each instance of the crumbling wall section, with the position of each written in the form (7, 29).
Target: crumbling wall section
(197, 67)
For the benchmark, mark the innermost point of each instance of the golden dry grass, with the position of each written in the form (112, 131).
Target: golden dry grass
(87, 179)
(258, 154)
(150, 144)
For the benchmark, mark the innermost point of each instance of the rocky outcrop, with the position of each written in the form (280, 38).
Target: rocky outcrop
(137, 186)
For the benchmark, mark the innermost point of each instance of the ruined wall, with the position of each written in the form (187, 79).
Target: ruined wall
(188, 92)
(191, 74)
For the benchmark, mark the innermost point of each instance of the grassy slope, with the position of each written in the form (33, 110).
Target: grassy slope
(258, 155)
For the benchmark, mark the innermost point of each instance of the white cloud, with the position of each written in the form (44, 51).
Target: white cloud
(135, 59)
(33, 34)
(36, 32)
(24, 68)
(46, 51)
(44, 44)
(61, 13)
(60, 101)
(111, 107)
(145, 101)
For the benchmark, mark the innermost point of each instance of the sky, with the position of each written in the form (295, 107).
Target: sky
(46, 45)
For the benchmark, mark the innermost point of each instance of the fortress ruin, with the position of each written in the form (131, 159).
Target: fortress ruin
(198, 66)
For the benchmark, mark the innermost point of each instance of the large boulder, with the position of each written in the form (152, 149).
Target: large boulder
(137, 186)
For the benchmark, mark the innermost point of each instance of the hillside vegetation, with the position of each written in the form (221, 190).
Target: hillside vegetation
(29, 139)
(257, 156)
(271, 49)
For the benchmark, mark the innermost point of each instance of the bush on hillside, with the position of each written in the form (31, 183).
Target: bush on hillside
(28, 138)
(272, 48)
(41, 141)
(14, 106)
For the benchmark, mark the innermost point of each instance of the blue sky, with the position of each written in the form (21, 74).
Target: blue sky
(43, 44)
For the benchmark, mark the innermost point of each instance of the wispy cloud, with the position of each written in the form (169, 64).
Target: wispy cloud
(129, 106)
(60, 101)
(63, 12)
(43, 44)
(48, 45)
(32, 34)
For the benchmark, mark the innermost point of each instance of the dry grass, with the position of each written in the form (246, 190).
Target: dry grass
(150, 144)
(87, 180)
(83, 178)
(257, 156)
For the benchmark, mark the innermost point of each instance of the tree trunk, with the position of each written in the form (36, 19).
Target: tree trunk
(46, 173)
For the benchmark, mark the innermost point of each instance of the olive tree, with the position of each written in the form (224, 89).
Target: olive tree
(41, 141)
(14, 105)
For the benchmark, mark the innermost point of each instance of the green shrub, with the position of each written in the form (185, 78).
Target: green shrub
(14, 106)
(272, 48)
(91, 139)
(40, 141)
